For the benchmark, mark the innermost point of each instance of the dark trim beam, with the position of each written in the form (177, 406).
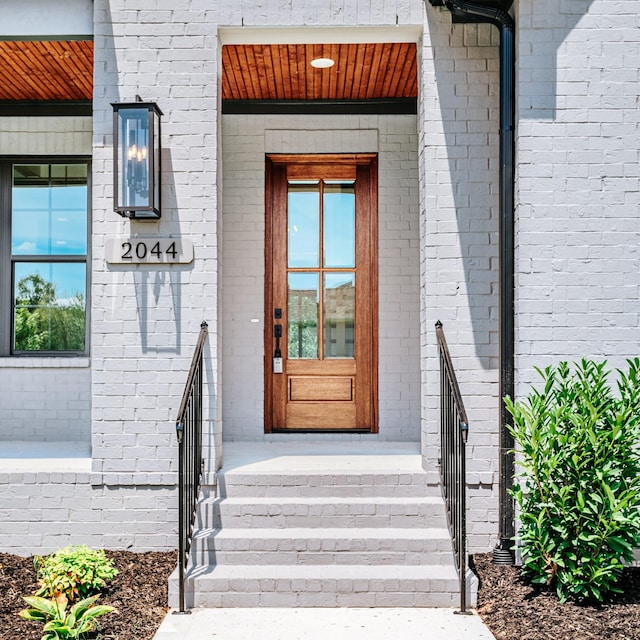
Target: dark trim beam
(321, 107)
(45, 108)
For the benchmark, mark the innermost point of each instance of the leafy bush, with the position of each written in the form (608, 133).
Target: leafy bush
(580, 500)
(75, 572)
(60, 625)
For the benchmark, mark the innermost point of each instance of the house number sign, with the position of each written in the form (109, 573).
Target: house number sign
(149, 250)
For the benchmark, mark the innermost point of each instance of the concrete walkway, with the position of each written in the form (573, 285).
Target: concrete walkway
(323, 624)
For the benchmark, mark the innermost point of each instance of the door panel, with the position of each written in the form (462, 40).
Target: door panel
(320, 388)
(321, 293)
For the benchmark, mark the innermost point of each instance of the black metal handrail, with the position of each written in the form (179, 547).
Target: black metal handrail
(454, 428)
(190, 460)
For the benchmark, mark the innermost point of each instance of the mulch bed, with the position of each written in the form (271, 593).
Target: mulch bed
(515, 610)
(512, 609)
(138, 592)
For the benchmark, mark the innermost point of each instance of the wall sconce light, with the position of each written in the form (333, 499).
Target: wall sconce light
(136, 159)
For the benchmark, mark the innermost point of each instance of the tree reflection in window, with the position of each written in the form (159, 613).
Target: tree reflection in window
(44, 321)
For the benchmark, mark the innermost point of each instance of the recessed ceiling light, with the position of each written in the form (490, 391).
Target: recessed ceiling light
(322, 63)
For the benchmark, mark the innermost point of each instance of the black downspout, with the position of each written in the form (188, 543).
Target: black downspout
(477, 12)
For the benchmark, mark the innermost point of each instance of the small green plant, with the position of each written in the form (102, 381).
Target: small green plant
(60, 625)
(578, 443)
(75, 572)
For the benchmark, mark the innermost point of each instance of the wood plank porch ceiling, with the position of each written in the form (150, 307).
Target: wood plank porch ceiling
(37, 70)
(63, 70)
(284, 71)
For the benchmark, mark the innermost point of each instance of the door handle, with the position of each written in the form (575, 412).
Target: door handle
(277, 332)
(277, 356)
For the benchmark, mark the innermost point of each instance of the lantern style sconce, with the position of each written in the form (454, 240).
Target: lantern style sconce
(136, 160)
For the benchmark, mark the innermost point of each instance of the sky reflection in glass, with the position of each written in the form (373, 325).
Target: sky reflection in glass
(49, 214)
(339, 225)
(303, 224)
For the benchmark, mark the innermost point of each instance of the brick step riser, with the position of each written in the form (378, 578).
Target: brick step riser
(324, 484)
(318, 593)
(319, 514)
(328, 491)
(227, 541)
(348, 521)
(205, 556)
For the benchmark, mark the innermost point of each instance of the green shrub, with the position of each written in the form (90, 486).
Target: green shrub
(578, 443)
(60, 625)
(75, 572)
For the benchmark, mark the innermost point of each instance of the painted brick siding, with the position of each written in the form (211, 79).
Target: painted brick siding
(578, 147)
(458, 116)
(45, 135)
(43, 511)
(577, 256)
(66, 414)
(146, 320)
(246, 139)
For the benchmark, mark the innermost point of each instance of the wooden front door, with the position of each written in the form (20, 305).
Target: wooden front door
(321, 293)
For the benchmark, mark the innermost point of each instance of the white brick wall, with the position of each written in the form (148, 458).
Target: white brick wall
(45, 135)
(246, 139)
(47, 401)
(43, 511)
(459, 239)
(578, 257)
(577, 262)
(146, 320)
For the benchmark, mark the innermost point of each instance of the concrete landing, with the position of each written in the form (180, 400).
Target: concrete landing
(316, 456)
(24, 456)
(320, 624)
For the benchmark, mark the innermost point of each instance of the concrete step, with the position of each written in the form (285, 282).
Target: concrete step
(304, 525)
(321, 512)
(327, 484)
(312, 546)
(320, 586)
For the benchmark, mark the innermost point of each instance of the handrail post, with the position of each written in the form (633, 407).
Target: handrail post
(181, 536)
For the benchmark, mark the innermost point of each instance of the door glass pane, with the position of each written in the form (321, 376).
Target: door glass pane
(49, 209)
(339, 299)
(49, 306)
(303, 224)
(302, 314)
(339, 225)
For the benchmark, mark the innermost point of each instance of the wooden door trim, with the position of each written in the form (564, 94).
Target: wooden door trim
(278, 168)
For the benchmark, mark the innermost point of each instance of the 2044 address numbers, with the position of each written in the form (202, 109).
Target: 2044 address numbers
(149, 250)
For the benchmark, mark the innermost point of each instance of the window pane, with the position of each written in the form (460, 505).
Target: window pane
(302, 335)
(49, 306)
(339, 225)
(49, 210)
(339, 299)
(303, 224)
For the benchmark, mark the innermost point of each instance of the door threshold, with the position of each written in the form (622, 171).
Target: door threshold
(333, 431)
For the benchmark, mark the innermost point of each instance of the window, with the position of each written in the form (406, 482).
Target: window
(45, 215)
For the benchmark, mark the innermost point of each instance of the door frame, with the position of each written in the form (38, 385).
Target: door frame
(366, 165)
